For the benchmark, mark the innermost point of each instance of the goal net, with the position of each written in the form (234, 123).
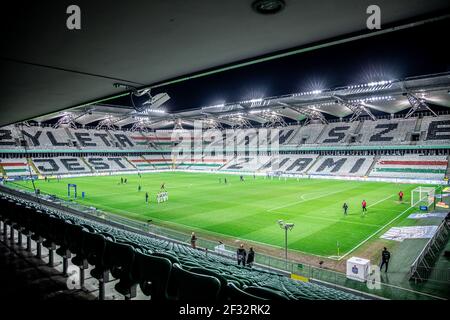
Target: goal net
(422, 196)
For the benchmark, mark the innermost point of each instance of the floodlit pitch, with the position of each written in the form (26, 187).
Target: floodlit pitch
(250, 209)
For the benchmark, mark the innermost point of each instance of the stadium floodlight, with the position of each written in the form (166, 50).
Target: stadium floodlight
(216, 106)
(286, 226)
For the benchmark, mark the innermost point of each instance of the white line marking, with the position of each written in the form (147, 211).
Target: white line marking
(380, 201)
(337, 220)
(297, 202)
(373, 234)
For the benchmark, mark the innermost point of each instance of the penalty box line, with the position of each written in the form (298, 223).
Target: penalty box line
(375, 233)
(301, 201)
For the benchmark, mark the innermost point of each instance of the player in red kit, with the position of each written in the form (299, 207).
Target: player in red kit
(400, 196)
(364, 206)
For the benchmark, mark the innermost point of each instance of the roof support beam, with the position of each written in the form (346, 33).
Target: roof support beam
(417, 105)
(356, 108)
(311, 114)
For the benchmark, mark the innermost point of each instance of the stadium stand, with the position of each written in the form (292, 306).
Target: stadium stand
(91, 139)
(107, 164)
(15, 167)
(246, 163)
(337, 133)
(160, 161)
(199, 162)
(294, 164)
(394, 131)
(431, 130)
(287, 134)
(168, 149)
(175, 271)
(307, 134)
(414, 166)
(342, 165)
(61, 165)
(435, 131)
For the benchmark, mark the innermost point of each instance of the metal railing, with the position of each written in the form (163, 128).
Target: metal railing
(422, 266)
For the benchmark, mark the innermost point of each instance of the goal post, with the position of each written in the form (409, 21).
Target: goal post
(422, 196)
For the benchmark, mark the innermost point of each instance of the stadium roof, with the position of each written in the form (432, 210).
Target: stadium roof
(388, 96)
(46, 68)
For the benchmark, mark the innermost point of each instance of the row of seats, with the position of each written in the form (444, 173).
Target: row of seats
(431, 130)
(413, 166)
(342, 165)
(162, 269)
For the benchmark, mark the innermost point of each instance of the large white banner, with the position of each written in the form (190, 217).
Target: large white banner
(402, 233)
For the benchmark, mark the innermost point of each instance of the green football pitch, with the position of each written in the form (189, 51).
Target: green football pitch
(249, 210)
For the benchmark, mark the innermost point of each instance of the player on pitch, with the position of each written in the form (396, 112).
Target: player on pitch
(400, 196)
(364, 206)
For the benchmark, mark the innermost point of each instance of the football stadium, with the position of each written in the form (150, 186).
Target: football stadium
(125, 187)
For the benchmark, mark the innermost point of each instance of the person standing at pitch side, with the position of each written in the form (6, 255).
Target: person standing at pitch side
(385, 257)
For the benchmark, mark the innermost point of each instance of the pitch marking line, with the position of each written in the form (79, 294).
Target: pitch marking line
(375, 233)
(337, 220)
(380, 201)
(314, 198)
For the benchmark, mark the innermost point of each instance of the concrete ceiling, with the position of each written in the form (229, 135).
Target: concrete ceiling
(45, 67)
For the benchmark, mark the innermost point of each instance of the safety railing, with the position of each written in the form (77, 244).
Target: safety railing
(421, 267)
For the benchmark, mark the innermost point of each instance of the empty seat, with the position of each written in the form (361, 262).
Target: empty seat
(189, 286)
(153, 274)
(235, 294)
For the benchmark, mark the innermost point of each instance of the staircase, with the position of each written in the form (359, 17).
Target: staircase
(375, 160)
(146, 161)
(291, 138)
(418, 124)
(321, 133)
(359, 127)
(69, 134)
(88, 165)
(168, 166)
(313, 164)
(113, 140)
(447, 172)
(72, 138)
(32, 165)
(226, 163)
(2, 171)
(131, 163)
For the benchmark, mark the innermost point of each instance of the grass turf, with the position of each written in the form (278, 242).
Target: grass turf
(249, 210)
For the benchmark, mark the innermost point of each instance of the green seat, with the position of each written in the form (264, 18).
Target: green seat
(266, 293)
(235, 294)
(186, 286)
(153, 275)
(171, 257)
(119, 259)
(215, 274)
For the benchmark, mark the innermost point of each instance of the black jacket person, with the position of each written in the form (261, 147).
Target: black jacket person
(385, 256)
(241, 255)
(250, 257)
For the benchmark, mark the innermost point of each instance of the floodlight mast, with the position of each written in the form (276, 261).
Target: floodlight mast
(286, 226)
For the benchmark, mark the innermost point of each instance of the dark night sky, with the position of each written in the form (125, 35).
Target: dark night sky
(411, 52)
